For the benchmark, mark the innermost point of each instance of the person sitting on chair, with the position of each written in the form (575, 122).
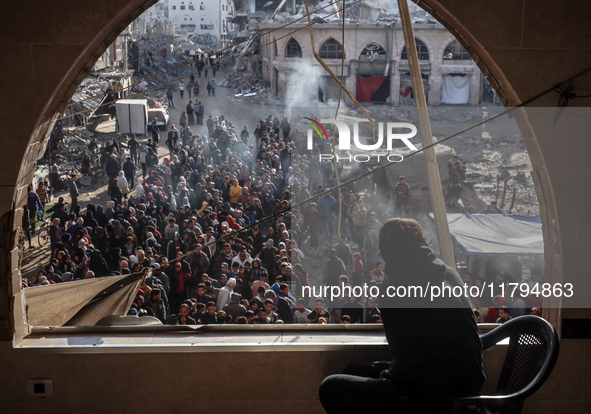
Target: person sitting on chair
(436, 350)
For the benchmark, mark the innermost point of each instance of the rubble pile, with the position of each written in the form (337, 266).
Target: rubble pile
(243, 75)
(157, 57)
(495, 153)
(248, 83)
(92, 86)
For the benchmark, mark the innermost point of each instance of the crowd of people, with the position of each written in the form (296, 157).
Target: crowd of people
(221, 224)
(212, 220)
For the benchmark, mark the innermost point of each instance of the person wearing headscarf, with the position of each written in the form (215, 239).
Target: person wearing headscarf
(97, 264)
(175, 246)
(231, 223)
(123, 184)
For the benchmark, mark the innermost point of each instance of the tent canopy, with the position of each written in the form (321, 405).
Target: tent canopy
(82, 302)
(497, 233)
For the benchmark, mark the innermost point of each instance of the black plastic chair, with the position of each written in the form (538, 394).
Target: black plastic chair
(531, 356)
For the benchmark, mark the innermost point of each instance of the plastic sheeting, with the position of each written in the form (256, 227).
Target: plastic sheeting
(81, 302)
(497, 233)
(455, 89)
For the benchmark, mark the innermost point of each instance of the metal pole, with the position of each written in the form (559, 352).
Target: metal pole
(437, 203)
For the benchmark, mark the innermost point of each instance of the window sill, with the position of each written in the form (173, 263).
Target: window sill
(203, 338)
(207, 338)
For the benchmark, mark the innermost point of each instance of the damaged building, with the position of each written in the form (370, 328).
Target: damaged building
(375, 62)
(203, 18)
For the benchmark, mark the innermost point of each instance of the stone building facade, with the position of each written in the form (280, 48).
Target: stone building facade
(376, 49)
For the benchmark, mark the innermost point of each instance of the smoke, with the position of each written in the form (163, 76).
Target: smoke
(301, 84)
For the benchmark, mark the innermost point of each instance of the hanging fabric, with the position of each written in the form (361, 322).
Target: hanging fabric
(367, 86)
(455, 89)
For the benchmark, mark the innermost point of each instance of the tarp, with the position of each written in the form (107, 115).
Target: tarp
(455, 89)
(497, 233)
(81, 302)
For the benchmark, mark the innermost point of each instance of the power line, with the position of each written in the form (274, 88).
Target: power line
(441, 141)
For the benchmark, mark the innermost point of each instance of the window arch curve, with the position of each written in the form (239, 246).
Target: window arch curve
(331, 49)
(422, 51)
(293, 49)
(455, 51)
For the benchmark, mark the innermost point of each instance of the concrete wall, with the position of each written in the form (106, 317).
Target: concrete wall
(524, 47)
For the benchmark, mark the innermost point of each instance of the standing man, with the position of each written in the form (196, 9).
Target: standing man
(358, 214)
(134, 145)
(213, 87)
(402, 192)
(151, 159)
(244, 135)
(33, 203)
(190, 86)
(170, 95)
(210, 125)
(201, 113)
(73, 193)
(190, 113)
(325, 204)
(143, 153)
(129, 171)
(286, 128)
(155, 131)
(112, 167)
(209, 88)
(181, 88)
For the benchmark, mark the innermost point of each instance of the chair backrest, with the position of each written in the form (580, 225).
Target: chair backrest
(531, 356)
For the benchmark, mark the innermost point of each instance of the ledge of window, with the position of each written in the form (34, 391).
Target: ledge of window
(203, 338)
(207, 338)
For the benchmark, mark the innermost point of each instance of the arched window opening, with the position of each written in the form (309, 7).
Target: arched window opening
(331, 49)
(422, 51)
(455, 51)
(293, 49)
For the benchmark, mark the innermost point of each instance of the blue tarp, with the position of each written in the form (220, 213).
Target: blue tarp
(497, 233)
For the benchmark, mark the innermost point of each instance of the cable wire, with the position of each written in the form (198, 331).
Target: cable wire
(447, 138)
